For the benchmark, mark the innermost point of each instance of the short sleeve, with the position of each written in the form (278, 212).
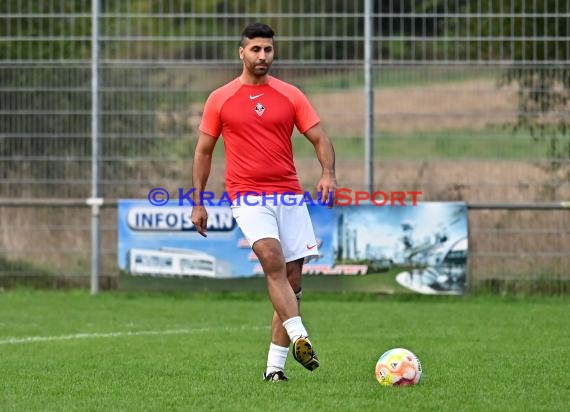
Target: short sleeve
(305, 115)
(211, 123)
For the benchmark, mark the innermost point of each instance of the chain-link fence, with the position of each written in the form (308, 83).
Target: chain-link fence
(471, 103)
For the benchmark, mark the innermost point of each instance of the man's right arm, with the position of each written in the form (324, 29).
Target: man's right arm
(200, 172)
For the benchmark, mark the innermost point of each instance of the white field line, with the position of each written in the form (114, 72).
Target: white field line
(98, 335)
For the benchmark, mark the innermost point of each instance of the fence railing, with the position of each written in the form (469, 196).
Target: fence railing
(470, 103)
(46, 242)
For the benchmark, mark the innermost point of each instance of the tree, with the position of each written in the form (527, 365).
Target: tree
(528, 35)
(537, 49)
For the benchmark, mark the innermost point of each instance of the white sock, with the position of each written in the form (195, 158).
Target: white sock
(295, 328)
(276, 358)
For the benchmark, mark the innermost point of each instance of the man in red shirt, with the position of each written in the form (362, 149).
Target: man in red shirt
(256, 114)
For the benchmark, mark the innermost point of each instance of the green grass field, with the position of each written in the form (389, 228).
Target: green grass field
(137, 351)
(490, 143)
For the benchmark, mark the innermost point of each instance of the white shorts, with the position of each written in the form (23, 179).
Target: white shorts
(289, 223)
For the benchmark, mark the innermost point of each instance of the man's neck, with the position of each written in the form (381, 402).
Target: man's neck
(248, 79)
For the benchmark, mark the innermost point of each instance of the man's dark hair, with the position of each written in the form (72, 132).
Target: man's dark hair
(254, 30)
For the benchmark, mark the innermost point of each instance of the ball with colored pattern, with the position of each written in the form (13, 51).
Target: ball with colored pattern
(398, 367)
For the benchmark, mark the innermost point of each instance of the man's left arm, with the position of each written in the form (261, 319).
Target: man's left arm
(324, 149)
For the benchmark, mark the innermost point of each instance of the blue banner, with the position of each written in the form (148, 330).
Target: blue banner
(163, 241)
(424, 246)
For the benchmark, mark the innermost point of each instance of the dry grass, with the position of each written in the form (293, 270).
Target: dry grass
(466, 105)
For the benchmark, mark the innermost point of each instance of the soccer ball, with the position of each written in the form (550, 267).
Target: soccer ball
(398, 367)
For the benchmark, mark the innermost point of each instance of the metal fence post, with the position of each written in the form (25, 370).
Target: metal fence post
(369, 99)
(95, 202)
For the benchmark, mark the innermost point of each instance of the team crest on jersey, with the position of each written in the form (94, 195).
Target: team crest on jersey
(259, 109)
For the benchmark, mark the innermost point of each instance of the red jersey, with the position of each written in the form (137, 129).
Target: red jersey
(256, 122)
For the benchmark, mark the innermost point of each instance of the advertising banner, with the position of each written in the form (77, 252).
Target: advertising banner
(422, 247)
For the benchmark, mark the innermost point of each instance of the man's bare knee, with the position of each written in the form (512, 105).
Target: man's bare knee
(270, 255)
